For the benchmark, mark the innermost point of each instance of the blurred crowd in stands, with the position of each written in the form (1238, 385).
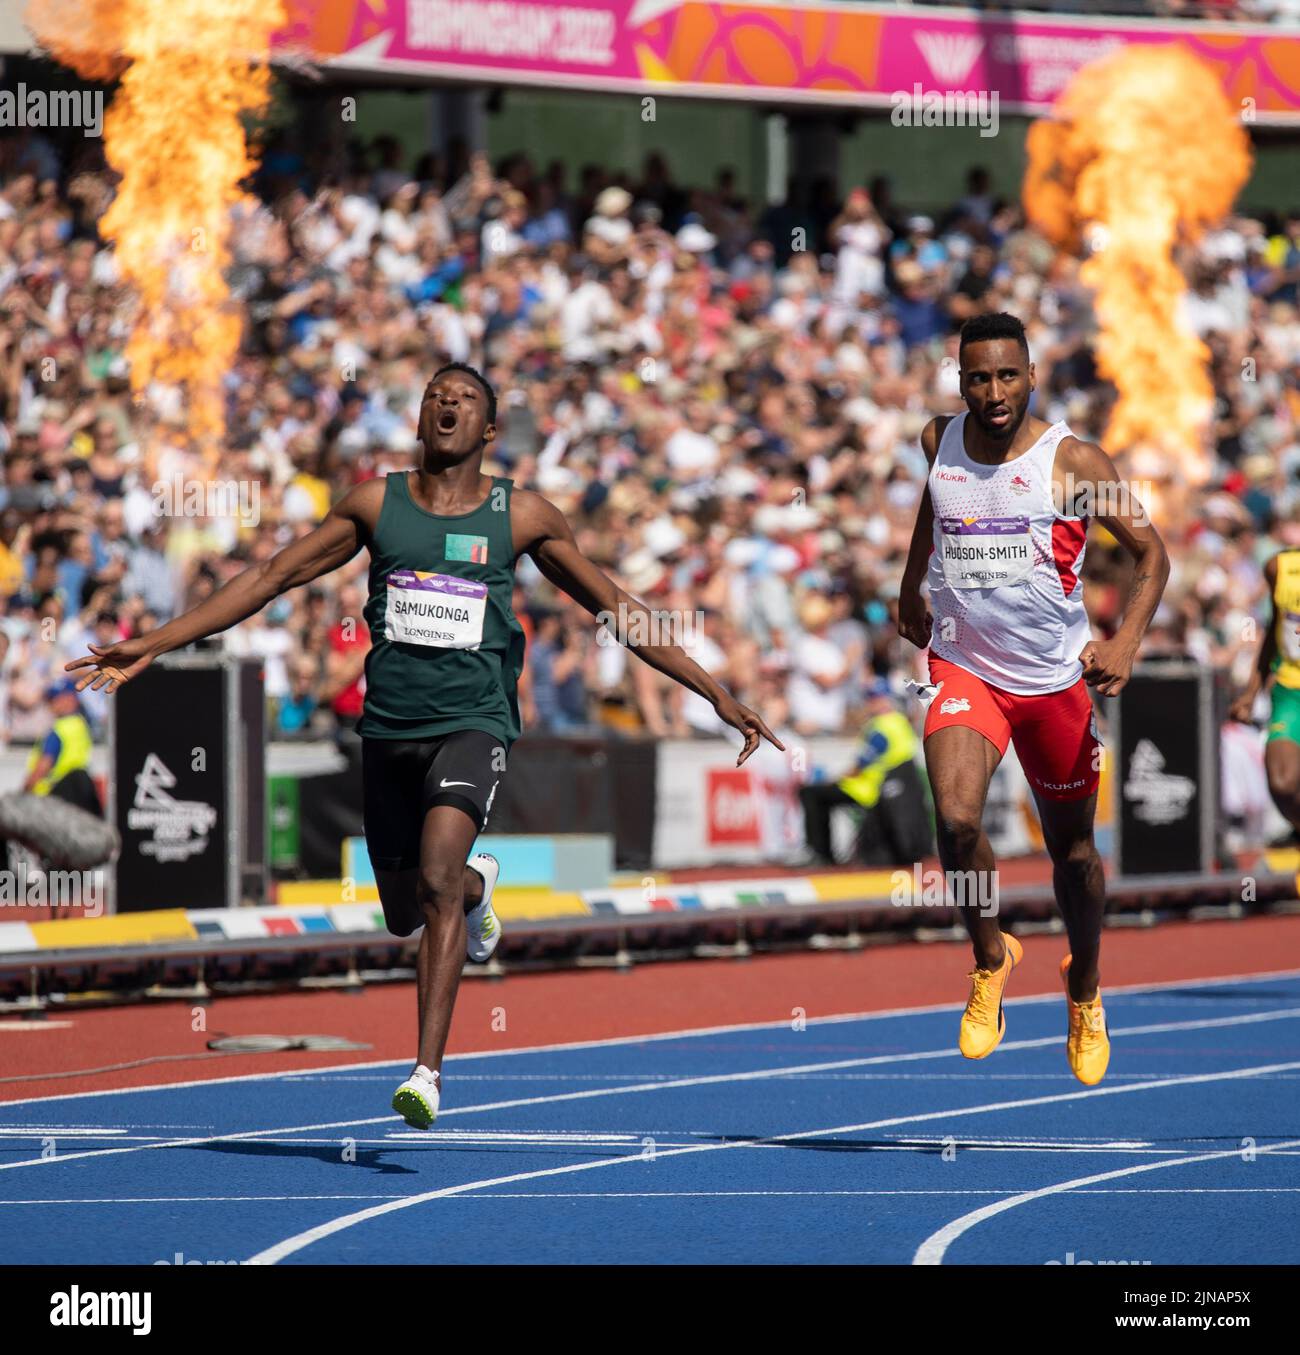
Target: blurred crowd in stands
(725, 399)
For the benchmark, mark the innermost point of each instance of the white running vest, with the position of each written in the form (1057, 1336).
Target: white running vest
(1006, 587)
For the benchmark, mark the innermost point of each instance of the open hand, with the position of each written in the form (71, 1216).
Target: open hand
(111, 665)
(750, 725)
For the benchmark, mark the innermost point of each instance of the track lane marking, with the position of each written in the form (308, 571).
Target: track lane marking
(299, 1241)
(709, 1079)
(931, 1252)
(1247, 1018)
(541, 1197)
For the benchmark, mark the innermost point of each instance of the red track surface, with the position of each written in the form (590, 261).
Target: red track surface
(1012, 870)
(572, 1006)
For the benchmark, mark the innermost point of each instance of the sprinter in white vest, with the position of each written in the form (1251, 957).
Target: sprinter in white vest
(999, 539)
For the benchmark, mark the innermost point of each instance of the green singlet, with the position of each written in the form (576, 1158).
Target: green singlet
(446, 647)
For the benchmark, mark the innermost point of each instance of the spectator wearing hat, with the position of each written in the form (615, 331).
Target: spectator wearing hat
(60, 764)
(608, 231)
(819, 683)
(920, 316)
(918, 242)
(695, 238)
(884, 783)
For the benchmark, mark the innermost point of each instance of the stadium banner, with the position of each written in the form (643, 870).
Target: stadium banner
(1167, 750)
(816, 52)
(188, 793)
(710, 812)
(170, 790)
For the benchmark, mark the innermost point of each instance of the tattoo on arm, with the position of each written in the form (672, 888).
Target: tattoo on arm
(1140, 581)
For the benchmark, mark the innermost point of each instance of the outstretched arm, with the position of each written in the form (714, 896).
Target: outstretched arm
(549, 539)
(335, 541)
(1107, 664)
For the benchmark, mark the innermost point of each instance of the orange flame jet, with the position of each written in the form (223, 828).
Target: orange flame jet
(187, 71)
(1142, 152)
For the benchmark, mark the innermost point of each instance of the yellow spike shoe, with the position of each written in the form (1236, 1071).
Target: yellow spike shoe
(983, 1024)
(1088, 1044)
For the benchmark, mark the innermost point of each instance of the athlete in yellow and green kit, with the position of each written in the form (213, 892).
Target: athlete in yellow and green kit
(1279, 662)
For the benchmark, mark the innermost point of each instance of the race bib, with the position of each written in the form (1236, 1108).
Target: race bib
(439, 610)
(985, 552)
(1291, 636)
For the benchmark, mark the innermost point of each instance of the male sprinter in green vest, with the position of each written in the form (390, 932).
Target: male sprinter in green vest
(440, 707)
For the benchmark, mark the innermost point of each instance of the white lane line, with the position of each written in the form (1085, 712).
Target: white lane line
(975, 1075)
(670, 1139)
(931, 1251)
(1249, 1018)
(274, 1254)
(689, 1032)
(34, 1131)
(201, 1199)
(703, 1080)
(42, 1127)
(541, 1197)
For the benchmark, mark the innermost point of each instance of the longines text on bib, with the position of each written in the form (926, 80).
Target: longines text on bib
(439, 610)
(986, 552)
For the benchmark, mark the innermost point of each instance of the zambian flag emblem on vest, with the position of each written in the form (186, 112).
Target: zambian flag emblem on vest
(471, 548)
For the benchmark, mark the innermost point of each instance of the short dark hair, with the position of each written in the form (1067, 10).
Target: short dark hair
(999, 325)
(477, 376)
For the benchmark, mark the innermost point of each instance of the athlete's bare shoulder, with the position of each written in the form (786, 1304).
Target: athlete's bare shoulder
(1270, 565)
(363, 503)
(1078, 457)
(932, 435)
(534, 519)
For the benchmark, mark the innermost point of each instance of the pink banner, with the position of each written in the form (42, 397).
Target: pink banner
(820, 53)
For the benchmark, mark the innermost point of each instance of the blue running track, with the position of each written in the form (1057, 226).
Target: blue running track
(856, 1139)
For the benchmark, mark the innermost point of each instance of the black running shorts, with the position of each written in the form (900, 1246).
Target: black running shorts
(405, 778)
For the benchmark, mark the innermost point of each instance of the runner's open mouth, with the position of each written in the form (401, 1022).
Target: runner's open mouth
(447, 421)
